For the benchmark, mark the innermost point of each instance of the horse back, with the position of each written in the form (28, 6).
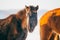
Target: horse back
(47, 15)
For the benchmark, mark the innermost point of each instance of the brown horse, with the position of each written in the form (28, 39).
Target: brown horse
(50, 25)
(15, 27)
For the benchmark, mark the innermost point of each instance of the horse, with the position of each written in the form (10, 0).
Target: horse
(16, 26)
(32, 20)
(50, 25)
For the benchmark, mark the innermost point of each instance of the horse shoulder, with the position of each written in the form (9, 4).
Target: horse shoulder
(47, 15)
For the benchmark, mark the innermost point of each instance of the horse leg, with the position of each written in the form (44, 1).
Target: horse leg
(54, 36)
(22, 35)
(45, 32)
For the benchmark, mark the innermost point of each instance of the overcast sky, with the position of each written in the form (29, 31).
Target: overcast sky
(20, 4)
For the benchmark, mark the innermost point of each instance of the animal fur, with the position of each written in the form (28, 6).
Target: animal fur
(15, 26)
(50, 25)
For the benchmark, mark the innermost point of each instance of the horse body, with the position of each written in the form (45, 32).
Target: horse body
(49, 24)
(15, 26)
(10, 28)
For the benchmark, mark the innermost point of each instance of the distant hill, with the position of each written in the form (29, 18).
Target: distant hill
(6, 13)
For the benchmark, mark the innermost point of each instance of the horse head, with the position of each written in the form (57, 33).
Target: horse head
(32, 18)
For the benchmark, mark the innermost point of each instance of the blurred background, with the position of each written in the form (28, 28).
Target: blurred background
(8, 7)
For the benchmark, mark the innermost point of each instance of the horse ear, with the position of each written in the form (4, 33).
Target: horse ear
(27, 9)
(26, 6)
(37, 7)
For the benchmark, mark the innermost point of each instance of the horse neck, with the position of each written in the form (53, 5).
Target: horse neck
(21, 14)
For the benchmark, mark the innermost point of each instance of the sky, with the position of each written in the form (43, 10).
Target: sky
(20, 4)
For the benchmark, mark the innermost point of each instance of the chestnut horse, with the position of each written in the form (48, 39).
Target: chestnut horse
(16, 26)
(50, 25)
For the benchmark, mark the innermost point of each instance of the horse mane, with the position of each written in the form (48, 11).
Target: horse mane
(21, 14)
